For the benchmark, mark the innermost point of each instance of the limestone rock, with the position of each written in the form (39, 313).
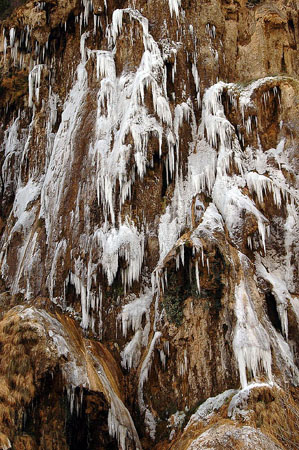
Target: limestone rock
(149, 224)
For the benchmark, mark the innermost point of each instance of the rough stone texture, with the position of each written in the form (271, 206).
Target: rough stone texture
(230, 437)
(211, 274)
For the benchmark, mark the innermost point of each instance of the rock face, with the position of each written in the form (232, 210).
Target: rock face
(149, 225)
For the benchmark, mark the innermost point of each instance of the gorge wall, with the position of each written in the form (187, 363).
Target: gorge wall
(149, 224)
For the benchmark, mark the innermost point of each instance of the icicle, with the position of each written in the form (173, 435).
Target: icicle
(71, 397)
(214, 120)
(186, 360)
(125, 242)
(105, 65)
(162, 285)
(177, 262)
(166, 347)
(82, 46)
(248, 125)
(260, 183)
(95, 24)
(5, 47)
(174, 6)
(249, 242)
(163, 358)
(116, 25)
(196, 82)
(182, 253)
(197, 276)
(12, 34)
(34, 79)
(81, 19)
(88, 7)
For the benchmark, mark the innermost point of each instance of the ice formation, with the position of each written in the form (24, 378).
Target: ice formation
(122, 113)
(74, 369)
(127, 243)
(144, 373)
(212, 404)
(131, 317)
(12, 148)
(136, 120)
(281, 295)
(174, 6)
(76, 373)
(24, 196)
(34, 81)
(120, 423)
(59, 164)
(251, 342)
(239, 402)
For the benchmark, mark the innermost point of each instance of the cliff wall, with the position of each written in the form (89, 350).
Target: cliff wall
(149, 224)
